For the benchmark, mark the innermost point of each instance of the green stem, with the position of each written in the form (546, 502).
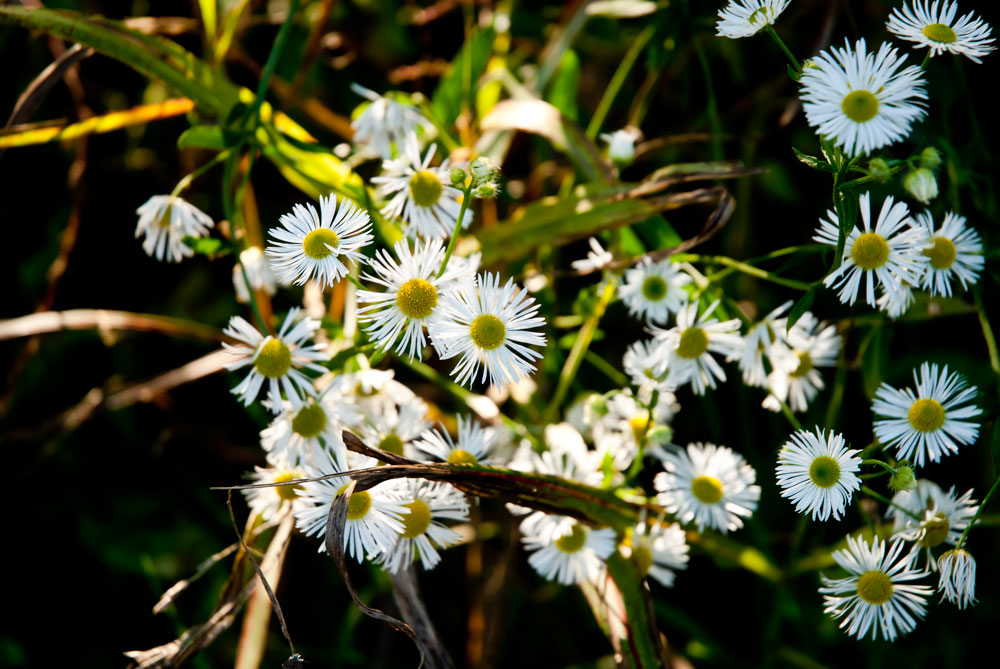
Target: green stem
(991, 342)
(466, 196)
(617, 80)
(609, 370)
(885, 500)
(891, 470)
(774, 35)
(712, 108)
(186, 181)
(961, 539)
(744, 268)
(787, 411)
(636, 467)
(580, 346)
(272, 61)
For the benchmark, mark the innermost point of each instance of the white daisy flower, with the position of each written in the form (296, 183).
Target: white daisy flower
(258, 273)
(743, 18)
(953, 250)
(384, 122)
(472, 447)
(891, 253)
(818, 473)
(374, 517)
(419, 194)
(489, 326)
(268, 501)
(597, 258)
(797, 357)
(276, 359)
(298, 434)
(641, 361)
(862, 101)
(411, 296)
(896, 304)
(928, 424)
(957, 579)
(571, 558)
(708, 485)
(375, 392)
(165, 221)
(876, 595)
(310, 245)
(690, 344)
(657, 550)
(758, 342)
(423, 530)
(653, 290)
(396, 427)
(943, 515)
(627, 423)
(933, 25)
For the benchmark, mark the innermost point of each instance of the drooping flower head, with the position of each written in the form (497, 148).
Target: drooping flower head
(384, 122)
(165, 221)
(743, 18)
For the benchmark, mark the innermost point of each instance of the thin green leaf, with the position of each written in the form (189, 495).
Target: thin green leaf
(801, 306)
(814, 162)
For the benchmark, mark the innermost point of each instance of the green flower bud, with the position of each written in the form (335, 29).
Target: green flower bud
(903, 479)
(879, 169)
(659, 435)
(921, 184)
(457, 176)
(484, 171)
(486, 191)
(930, 157)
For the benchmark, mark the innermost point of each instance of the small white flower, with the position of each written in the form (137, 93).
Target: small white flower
(374, 517)
(298, 434)
(934, 26)
(743, 18)
(384, 122)
(597, 258)
(797, 357)
(571, 558)
(862, 101)
(818, 473)
(641, 361)
(921, 184)
(165, 221)
(943, 516)
(708, 485)
(396, 426)
(627, 424)
(877, 595)
(953, 250)
(423, 532)
(653, 290)
(621, 146)
(472, 447)
(758, 342)
(419, 194)
(930, 423)
(957, 580)
(310, 245)
(268, 501)
(896, 304)
(657, 550)
(891, 253)
(411, 297)
(690, 344)
(490, 327)
(258, 273)
(276, 359)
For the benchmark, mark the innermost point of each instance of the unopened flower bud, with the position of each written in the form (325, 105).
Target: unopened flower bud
(903, 479)
(457, 176)
(921, 184)
(879, 169)
(484, 171)
(659, 435)
(487, 190)
(621, 146)
(596, 407)
(930, 157)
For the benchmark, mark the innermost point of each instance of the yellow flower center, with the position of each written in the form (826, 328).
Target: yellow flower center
(417, 520)
(654, 288)
(942, 255)
(360, 504)
(425, 188)
(643, 559)
(707, 489)
(860, 106)
(319, 242)
(164, 221)
(694, 342)
(875, 587)
(391, 443)
(574, 541)
(273, 359)
(417, 298)
(926, 415)
(488, 332)
(460, 457)
(640, 426)
(870, 251)
(935, 531)
(286, 492)
(309, 421)
(804, 367)
(939, 32)
(824, 471)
